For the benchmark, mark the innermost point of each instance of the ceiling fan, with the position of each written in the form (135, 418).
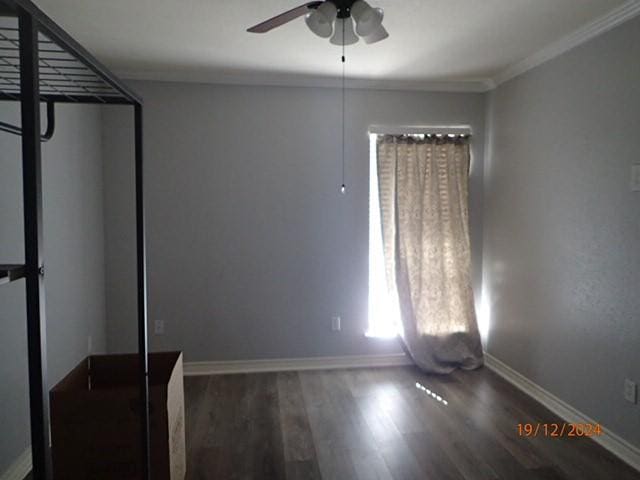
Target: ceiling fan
(334, 19)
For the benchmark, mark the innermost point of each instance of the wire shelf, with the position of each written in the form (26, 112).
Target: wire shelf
(63, 76)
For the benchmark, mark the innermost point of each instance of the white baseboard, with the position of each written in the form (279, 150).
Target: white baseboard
(622, 449)
(20, 468)
(288, 364)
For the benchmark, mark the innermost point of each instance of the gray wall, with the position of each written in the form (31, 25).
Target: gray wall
(252, 249)
(74, 256)
(562, 228)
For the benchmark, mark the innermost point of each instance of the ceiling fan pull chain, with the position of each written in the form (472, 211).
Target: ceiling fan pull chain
(343, 188)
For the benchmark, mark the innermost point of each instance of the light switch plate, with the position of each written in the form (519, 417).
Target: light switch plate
(335, 324)
(630, 391)
(635, 177)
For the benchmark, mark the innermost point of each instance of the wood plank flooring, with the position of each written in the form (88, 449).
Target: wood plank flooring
(377, 424)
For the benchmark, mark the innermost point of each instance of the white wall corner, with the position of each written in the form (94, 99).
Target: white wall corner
(290, 364)
(19, 469)
(615, 17)
(489, 84)
(618, 446)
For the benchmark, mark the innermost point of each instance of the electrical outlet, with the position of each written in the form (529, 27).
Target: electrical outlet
(335, 324)
(630, 391)
(159, 327)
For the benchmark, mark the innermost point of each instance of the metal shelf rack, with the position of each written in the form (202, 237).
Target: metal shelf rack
(40, 62)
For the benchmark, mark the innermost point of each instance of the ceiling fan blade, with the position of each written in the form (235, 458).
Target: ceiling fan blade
(283, 18)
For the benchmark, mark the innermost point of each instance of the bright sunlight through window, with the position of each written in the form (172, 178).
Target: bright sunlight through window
(384, 312)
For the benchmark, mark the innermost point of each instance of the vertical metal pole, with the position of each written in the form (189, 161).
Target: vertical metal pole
(34, 264)
(142, 296)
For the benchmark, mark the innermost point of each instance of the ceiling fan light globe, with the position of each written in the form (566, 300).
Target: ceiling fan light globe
(367, 19)
(359, 8)
(349, 37)
(378, 34)
(320, 21)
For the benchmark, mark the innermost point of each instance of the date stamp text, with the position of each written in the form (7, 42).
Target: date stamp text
(558, 430)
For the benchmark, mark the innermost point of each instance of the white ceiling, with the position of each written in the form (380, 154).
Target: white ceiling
(206, 40)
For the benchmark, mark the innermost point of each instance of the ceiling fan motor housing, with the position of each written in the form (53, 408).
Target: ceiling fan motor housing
(343, 6)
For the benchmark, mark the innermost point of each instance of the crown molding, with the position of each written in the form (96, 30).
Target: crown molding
(612, 19)
(490, 84)
(615, 17)
(478, 85)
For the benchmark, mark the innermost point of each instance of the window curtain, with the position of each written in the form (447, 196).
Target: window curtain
(423, 185)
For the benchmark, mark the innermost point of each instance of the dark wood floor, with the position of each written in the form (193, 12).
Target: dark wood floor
(377, 424)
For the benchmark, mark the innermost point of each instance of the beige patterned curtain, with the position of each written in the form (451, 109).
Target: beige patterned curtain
(424, 210)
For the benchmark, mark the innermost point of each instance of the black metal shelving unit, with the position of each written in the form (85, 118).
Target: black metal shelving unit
(41, 63)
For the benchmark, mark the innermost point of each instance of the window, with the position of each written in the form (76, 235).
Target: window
(384, 311)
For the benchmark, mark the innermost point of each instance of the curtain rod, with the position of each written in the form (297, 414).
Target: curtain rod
(420, 130)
